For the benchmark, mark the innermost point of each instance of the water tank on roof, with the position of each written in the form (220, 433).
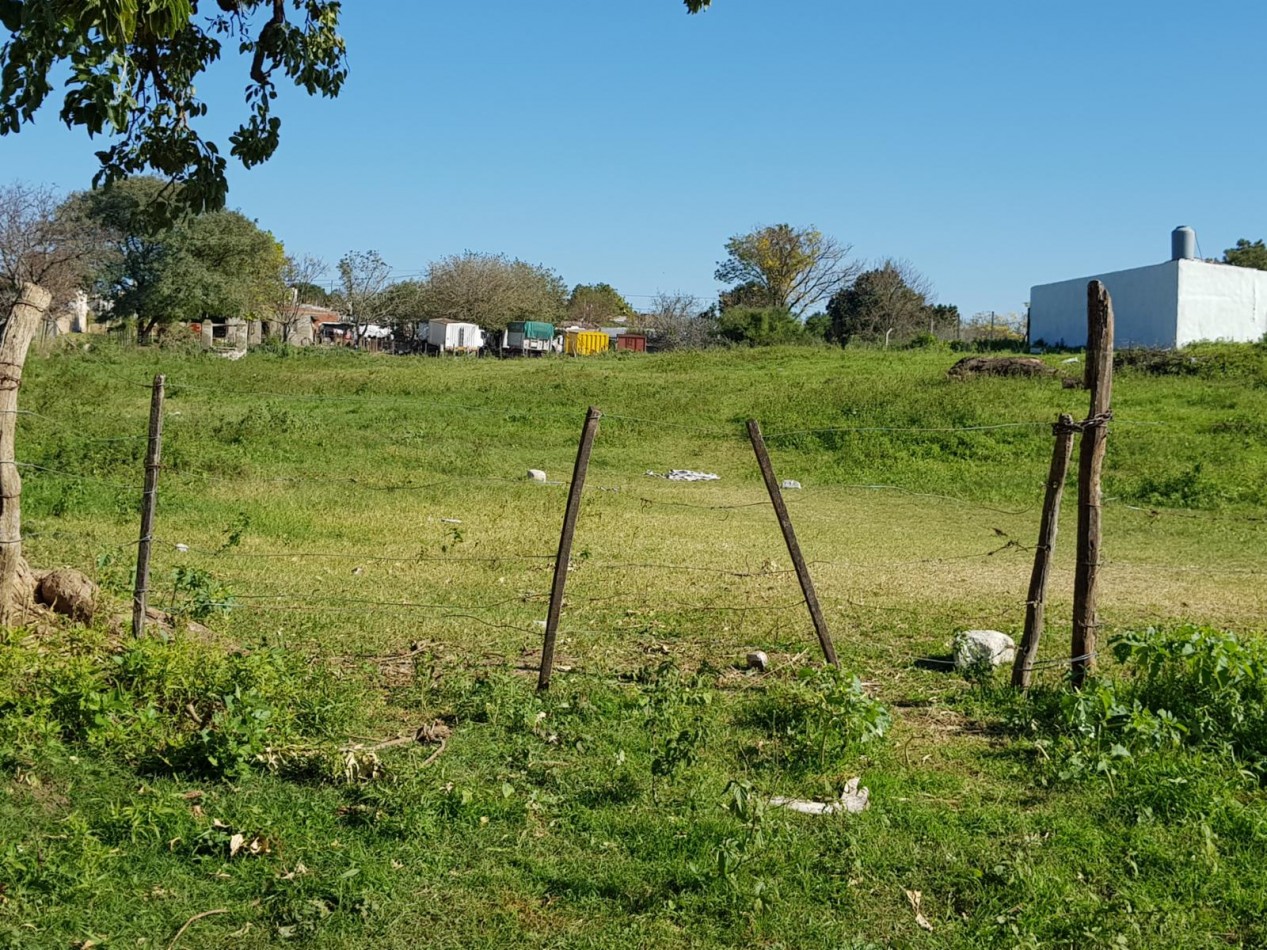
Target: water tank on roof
(1183, 244)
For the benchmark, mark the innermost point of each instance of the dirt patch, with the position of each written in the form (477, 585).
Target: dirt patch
(1011, 366)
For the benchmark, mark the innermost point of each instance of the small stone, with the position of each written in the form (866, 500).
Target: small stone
(757, 660)
(536, 475)
(983, 647)
(791, 483)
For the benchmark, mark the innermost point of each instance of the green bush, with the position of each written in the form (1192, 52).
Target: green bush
(1189, 706)
(820, 718)
(760, 326)
(175, 707)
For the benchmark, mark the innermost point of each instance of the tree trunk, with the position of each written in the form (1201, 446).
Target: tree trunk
(15, 340)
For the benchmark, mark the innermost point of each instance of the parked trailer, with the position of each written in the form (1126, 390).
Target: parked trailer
(584, 342)
(451, 336)
(527, 337)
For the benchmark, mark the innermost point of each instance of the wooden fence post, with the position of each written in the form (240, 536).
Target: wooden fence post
(565, 546)
(1036, 601)
(149, 501)
(1099, 379)
(24, 320)
(793, 548)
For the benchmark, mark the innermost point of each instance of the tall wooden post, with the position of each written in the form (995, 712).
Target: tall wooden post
(149, 501)
(19, 329)
(789, 537)
(565, 546)
(1035, 603)
(1099, 379)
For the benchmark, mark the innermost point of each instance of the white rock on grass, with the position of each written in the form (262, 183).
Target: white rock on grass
(980, 647)
(536, 475)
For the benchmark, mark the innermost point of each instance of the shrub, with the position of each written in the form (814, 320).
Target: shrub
(175, 707)
(760, 326)
(821, 718)
(1190, 701)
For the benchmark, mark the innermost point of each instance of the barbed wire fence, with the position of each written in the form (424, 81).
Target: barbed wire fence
(770, 597)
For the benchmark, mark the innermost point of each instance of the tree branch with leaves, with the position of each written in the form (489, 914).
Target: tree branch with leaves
(786, 268)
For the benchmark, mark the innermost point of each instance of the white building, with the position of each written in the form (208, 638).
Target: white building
(1182, 301)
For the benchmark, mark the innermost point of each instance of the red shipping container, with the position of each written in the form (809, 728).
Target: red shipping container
(632, 341)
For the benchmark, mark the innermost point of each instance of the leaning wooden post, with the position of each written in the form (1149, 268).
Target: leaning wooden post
(565, 545)
(793, 548)
(1036, 601)
(15, 340)
(149, 501)
(1099, 379)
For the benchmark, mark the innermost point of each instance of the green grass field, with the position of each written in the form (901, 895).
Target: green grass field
(359, 535)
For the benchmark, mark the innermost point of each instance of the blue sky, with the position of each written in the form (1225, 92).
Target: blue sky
(994, 145)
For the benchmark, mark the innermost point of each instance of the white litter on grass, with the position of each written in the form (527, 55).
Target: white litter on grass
(451, 520)
(536, 475)
(685, 475)
(853, 800)
(183, 548)
(757, 660)
(791, 483)
(1072, 359)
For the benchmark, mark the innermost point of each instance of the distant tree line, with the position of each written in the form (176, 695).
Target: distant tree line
(122, 246)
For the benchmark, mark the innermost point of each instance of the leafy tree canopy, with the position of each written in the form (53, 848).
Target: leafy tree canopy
(750, 293)
(135, 65)
(890, 299)
(784, 267)
(492, 290)
(214, 265)
(1247, 254)
(597, 303)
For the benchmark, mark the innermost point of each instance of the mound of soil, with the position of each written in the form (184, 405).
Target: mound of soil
(1023, 366)
(68, 592)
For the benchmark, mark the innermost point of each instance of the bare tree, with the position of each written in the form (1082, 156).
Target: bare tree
(363, 276)
(43, 241)
(787, 268)
(679, 321)
(298, 274)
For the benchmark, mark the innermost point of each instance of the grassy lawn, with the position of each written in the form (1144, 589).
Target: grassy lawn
(359, 535)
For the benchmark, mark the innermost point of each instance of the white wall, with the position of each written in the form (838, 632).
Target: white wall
(1221, 302)
(1145, 307)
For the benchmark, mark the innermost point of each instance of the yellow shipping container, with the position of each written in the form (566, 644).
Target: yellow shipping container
(585, 342)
